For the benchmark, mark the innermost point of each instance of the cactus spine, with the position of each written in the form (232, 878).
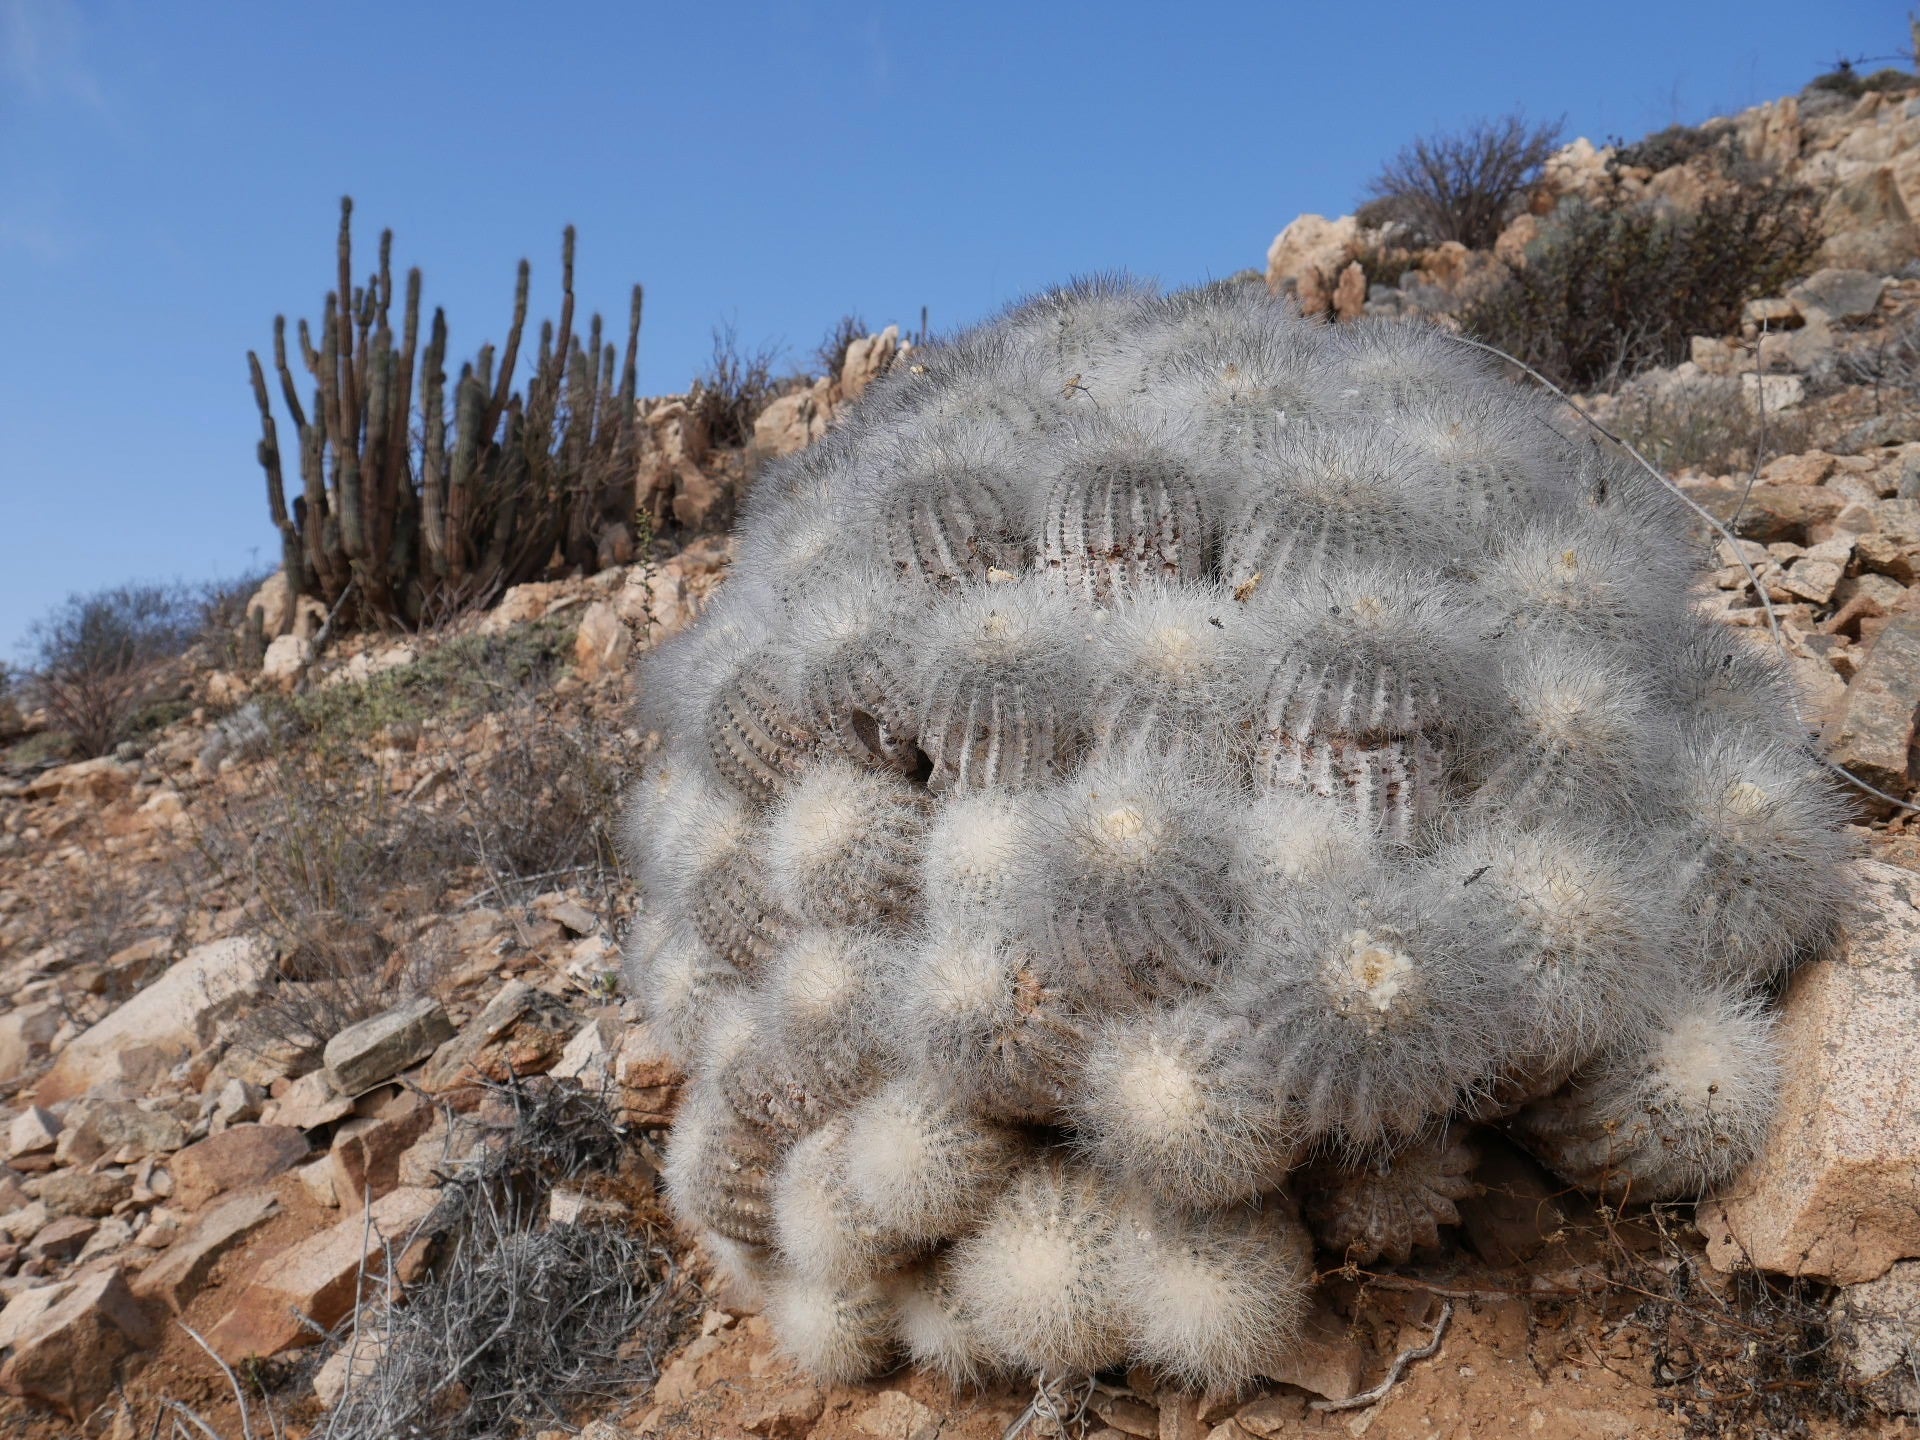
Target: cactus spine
(1076, 844)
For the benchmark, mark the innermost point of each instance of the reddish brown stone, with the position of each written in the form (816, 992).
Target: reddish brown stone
(180, 1274)
(235, 1158)
(318, 1278)
(69, 1355)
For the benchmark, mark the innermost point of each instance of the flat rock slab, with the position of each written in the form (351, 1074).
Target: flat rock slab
(1877, 1330)
(182, 1272)
(1840, 294)
(1872, 733)
(317, 1278)
(377, 1049)
(68, 1354)
(92, 1193)
(238, 1156)
(33, 1132)
(366, 1153)
(1835, 1194)
(162, 1023)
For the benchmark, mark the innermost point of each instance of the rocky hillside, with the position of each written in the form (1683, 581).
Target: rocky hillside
(319, 1097)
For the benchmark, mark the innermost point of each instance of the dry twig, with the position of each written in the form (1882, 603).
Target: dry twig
(1397, 1370)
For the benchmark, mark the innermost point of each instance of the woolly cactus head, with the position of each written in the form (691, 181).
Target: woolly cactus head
(1155, 751)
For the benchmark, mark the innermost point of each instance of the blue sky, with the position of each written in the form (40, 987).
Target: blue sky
(169, 176)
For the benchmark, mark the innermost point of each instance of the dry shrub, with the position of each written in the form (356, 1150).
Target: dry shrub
(1710, 425)
(1462, 186)
(831, 354)
(334, 867)
(1675, 145)
(735, 387)
(539, 809)
(1889, 368)
(341, 873)
(101, 659)
(521, 1320)
(1731, 1355)
(1611, 289)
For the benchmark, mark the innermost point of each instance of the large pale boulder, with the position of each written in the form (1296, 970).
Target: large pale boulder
(1577, 168)
(603, 643)
(164, 1023)
(286, 660)
(1308, 256)
(868, 358)
(794, 421)
(1867, 225)
(68, 1354)
(274, 601)
(1836, 1192)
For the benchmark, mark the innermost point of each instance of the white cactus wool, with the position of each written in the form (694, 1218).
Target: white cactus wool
(1162, 769)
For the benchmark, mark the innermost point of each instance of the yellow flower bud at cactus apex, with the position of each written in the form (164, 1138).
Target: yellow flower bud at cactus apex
(1159, 775)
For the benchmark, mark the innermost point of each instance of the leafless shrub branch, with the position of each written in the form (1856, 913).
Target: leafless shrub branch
(1463, 186)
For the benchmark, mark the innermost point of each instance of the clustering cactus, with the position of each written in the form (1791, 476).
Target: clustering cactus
(392, 529)
(1160, 773)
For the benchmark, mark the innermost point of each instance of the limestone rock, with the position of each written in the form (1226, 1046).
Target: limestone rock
(1577, 168)
(62, 1239)
(68, 1356)
(793, 421)
(25, 1033)
(603, 643)
(274, 601)
(380, 1047)
(648, 1078)
(355, 1360)
(85, 1192)
(161, 1024)
(1310, 253)
(33, 1132)
(1877, 1330)
(120, 1128)
(522, 1031)
(238, 1156)
(589, 1054)
(180, 1274)
(287, 659)
(1867, 225)
(318, 1278)
(1840, 294)
(366, 1151)
(95, 781)
(1771, 513)
(868, 358)
(307, 1103)
(1872, 734)
(1835, 1194)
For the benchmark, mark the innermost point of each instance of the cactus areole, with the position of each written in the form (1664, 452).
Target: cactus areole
(1160, 774)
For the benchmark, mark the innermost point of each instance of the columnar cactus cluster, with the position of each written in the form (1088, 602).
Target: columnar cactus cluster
(1162, 772)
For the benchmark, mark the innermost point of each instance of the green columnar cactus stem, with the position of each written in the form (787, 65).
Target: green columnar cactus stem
(468, 514)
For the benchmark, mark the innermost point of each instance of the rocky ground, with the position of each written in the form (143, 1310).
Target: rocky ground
(282, 981)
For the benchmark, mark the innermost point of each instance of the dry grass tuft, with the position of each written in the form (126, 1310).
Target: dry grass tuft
(522, 1320)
